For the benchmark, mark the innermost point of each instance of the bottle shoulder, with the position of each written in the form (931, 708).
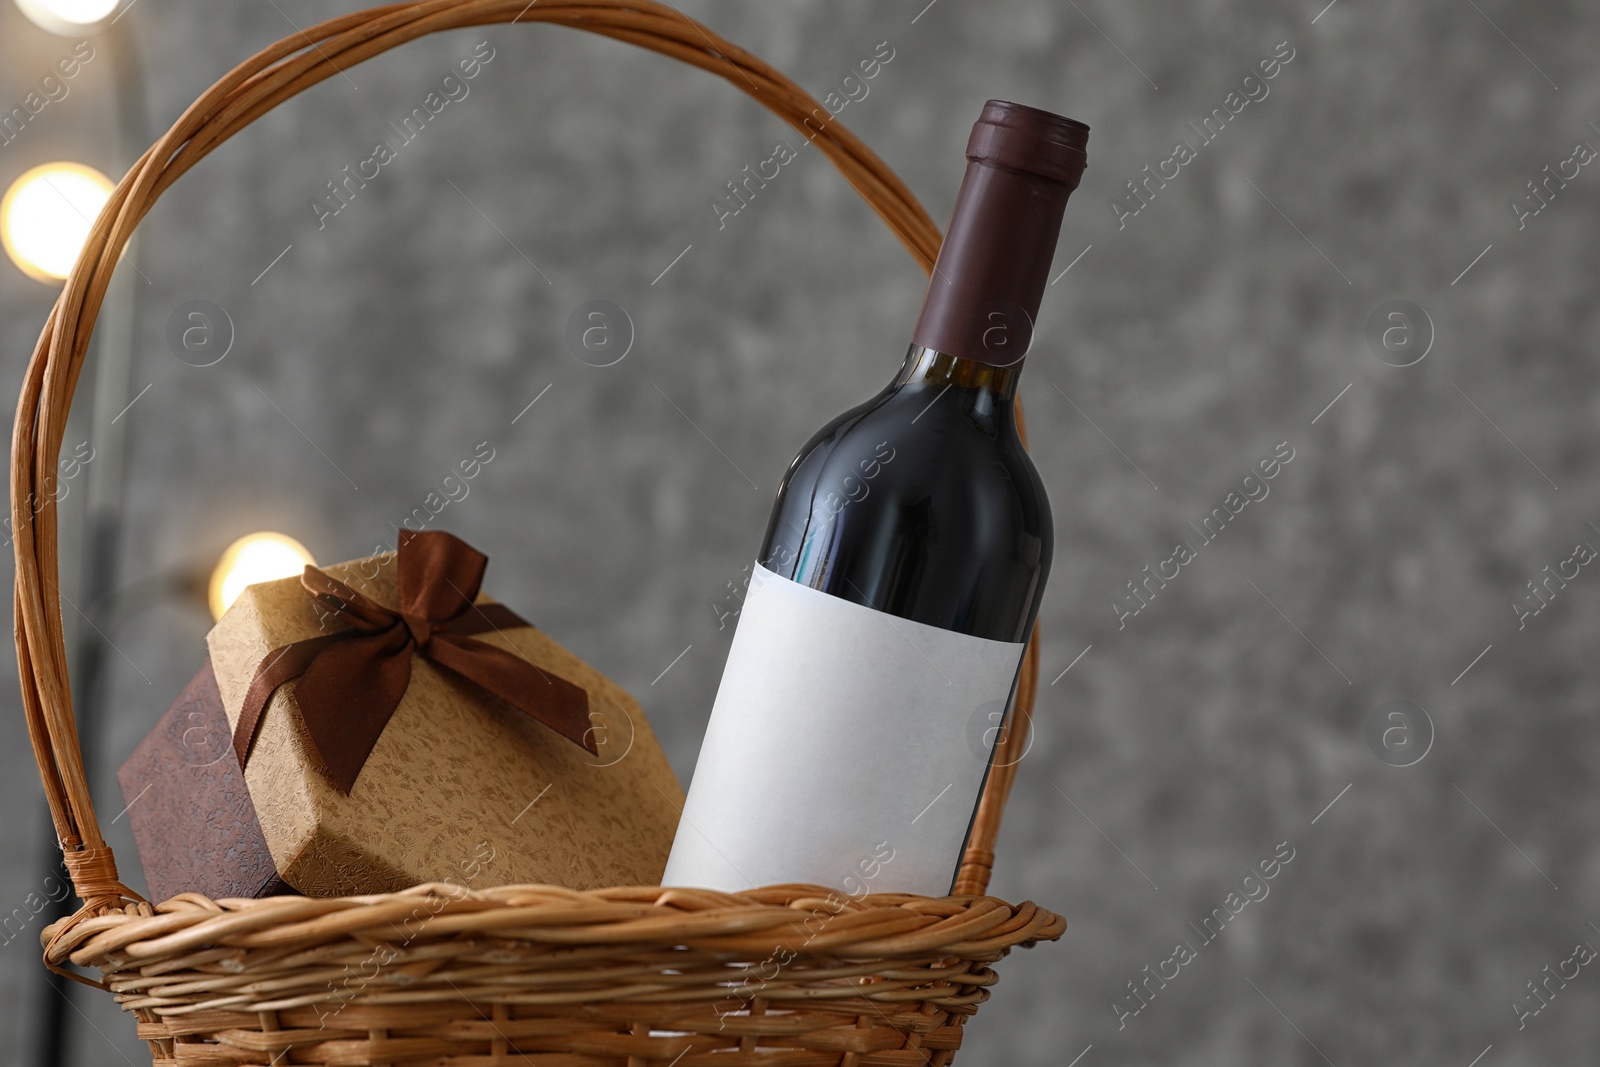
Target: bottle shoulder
(917, 504)
(942, 448)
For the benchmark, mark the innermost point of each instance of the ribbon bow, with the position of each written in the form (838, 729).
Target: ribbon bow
(352, 680)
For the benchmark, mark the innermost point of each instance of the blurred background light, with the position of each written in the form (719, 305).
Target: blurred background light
(70, 18)
(257, 557)
(46, 216)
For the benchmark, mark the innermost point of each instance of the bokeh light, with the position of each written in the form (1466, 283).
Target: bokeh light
(69, 18)
(257, 557)
(46, 216)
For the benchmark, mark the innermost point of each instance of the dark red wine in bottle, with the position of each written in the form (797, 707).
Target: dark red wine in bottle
(881, 638)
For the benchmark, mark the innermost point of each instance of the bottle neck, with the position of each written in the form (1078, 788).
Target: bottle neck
(983, 297)
(988, 393)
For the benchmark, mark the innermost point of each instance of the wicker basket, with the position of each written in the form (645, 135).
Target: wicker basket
(785, 975)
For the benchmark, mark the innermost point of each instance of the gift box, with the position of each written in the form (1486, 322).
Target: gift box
(378, 724)
(188, 806)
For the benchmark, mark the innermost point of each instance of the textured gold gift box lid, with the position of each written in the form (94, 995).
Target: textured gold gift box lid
(461, 787)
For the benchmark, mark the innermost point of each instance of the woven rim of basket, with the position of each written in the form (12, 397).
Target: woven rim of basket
(115, 926)
(191, 955)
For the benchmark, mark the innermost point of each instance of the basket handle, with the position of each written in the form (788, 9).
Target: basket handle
(246, 93)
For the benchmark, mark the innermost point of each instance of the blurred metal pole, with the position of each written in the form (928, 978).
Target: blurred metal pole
(91, 530)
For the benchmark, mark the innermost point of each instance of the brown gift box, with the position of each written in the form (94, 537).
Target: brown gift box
(188, 807)
(460, 787)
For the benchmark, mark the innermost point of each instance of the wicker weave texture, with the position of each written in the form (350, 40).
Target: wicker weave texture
(438, 974)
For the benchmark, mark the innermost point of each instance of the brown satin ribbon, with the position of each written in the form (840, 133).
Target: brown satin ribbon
(352, 680)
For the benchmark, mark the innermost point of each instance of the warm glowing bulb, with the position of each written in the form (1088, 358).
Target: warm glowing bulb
(69, 17)
(46, 216)
(258, 557)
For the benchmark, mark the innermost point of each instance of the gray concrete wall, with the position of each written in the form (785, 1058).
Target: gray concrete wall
(1226, 316)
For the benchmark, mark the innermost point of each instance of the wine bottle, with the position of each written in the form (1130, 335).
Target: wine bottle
(881, 637)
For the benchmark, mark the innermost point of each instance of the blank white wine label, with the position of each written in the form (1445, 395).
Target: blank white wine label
(846, 748)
